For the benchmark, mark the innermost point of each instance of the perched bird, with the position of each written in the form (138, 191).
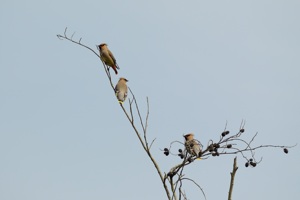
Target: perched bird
(107, 57)
(121, 90)
(192, 146)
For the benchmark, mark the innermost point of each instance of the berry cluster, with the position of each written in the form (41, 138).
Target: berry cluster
(166, 151)
(213, 148)
(180, 153)
(250, 162)
(225, 133)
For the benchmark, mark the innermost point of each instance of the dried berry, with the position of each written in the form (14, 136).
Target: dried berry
(253, 164)
(285, 150)
(180, 150)
(166, 149)
(251, 160)
(200, 154)
(227, 132)
(246, 164)
(171, 174)
(181, 155)
(166, 153)
(223, 134)
(242, 130)
(229, 146)
(210, 148)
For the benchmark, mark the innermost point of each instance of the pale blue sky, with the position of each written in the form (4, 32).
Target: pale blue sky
(201, 63)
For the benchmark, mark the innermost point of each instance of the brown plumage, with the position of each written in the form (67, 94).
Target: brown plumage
(107, 57)
(192, 145)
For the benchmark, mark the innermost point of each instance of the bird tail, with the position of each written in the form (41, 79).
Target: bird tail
(115, 69)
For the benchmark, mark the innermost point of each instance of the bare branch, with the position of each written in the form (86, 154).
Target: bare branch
(235, 168)
(131, 120)
(174, 196)
(196, 185)
(147, 116)
(130, 107)
(61, 37)
(138, 110)
(152, 143)
(233, 144)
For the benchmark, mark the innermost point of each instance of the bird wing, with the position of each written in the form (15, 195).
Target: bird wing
(113, 58)
(116, 89)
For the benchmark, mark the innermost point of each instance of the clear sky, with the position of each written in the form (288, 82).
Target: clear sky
(201, 63)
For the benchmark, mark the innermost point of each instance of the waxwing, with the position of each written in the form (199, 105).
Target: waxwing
(192, 145)
(121, 90)
(107, 57)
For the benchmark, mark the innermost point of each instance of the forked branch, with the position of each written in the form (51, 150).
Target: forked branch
(143, 140)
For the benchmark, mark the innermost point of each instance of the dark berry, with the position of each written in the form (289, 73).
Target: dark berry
(285, 150)
(171, 174)
(200, 154)
(253, 164)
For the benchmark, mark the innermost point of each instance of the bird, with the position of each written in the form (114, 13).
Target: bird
(121, 90)
(192, 146)
(107, 57)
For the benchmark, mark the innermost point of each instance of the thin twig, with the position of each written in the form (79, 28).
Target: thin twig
(138, 110)
(147, 116)
(61, 37)
(174, 196)
(151, 143)
(130, 107)
(196, 185)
